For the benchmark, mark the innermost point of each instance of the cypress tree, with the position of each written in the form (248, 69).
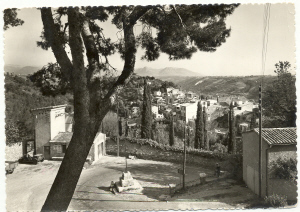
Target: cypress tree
(232, 133)
(206, 140)
(154, 131)
(253, 121)
(146, 124)
(171, 130)
(199, 128)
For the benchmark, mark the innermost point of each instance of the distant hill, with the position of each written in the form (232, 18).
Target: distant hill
(11, 68)
(168, 71)
(21, 70)
(246, 86)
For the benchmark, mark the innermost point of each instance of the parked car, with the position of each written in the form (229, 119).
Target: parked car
(27, 159)
(39, 157)
(9, 169)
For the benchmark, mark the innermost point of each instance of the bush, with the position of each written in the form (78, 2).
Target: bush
(178, 148)
(219, 148)
(276, 200)
(284, 168)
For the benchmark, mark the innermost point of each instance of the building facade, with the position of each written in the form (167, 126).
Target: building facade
(276, 142)
(53, 133)
(188, 111)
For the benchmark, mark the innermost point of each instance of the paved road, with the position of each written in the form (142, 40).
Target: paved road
(29, 185)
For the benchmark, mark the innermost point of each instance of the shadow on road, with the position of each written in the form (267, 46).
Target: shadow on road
(154, 178)
(155, 173)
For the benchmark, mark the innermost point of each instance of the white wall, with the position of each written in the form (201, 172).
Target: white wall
(99, 141)
(191, 112)
(58, 120)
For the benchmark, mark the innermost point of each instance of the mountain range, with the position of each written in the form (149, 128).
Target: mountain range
(146, 71)
(246, 86)
(168, 71)
(21, 70)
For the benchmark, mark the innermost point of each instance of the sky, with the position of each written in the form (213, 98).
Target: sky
(240, 55)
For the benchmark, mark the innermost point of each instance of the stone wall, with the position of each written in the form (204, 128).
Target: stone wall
(231, 164)
(13, 152)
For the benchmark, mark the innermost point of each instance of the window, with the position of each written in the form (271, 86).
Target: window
(64, 148)
(58, 148)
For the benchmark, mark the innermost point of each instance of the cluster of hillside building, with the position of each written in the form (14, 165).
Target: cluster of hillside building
(183, 106)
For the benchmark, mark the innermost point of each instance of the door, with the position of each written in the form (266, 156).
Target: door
(102, 148)
(64, 148)
(252, 179)
(47, 152)
(99, 150)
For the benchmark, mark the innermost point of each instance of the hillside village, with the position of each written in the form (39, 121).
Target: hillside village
(182, 105)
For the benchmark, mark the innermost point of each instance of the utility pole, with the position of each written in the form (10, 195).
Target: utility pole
(118, 139)
(184, 159)
(260, 140)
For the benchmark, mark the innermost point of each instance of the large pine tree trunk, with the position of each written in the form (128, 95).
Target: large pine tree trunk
(69, 172)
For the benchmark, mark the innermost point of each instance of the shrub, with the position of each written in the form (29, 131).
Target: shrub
(276, 200)
(284, 168)
(179, 148)
(219, 148)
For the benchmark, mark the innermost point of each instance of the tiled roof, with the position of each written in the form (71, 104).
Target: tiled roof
(49, 107)
(62, 137)
(279, 136)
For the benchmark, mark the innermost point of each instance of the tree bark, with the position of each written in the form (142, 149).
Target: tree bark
(64, 185)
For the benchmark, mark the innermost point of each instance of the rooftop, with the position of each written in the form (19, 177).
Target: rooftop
(49, 107)
(62, 137)
(188, 104)
(279, 136)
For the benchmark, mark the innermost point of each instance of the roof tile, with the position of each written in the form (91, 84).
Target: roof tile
(279, 136)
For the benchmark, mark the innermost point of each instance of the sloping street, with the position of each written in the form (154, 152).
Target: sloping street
(28, 186)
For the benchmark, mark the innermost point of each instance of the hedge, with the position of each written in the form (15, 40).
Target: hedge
(189, 150)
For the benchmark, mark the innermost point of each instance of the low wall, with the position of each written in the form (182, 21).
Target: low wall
(283, 187)
(229, 163)
(13, 152)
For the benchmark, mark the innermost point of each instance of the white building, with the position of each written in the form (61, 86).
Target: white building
(211, 102)
(188, 111)
(135, 110)
(154, 109)
(157, 93)
(244, 108)
(203, 103)
(169, 89)
(190, 95)
(53, 134)
(175, 91)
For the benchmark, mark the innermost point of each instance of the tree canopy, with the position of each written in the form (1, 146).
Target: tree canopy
(279, 99)
(10, 18)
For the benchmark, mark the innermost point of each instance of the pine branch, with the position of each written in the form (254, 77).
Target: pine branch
(51, 34)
